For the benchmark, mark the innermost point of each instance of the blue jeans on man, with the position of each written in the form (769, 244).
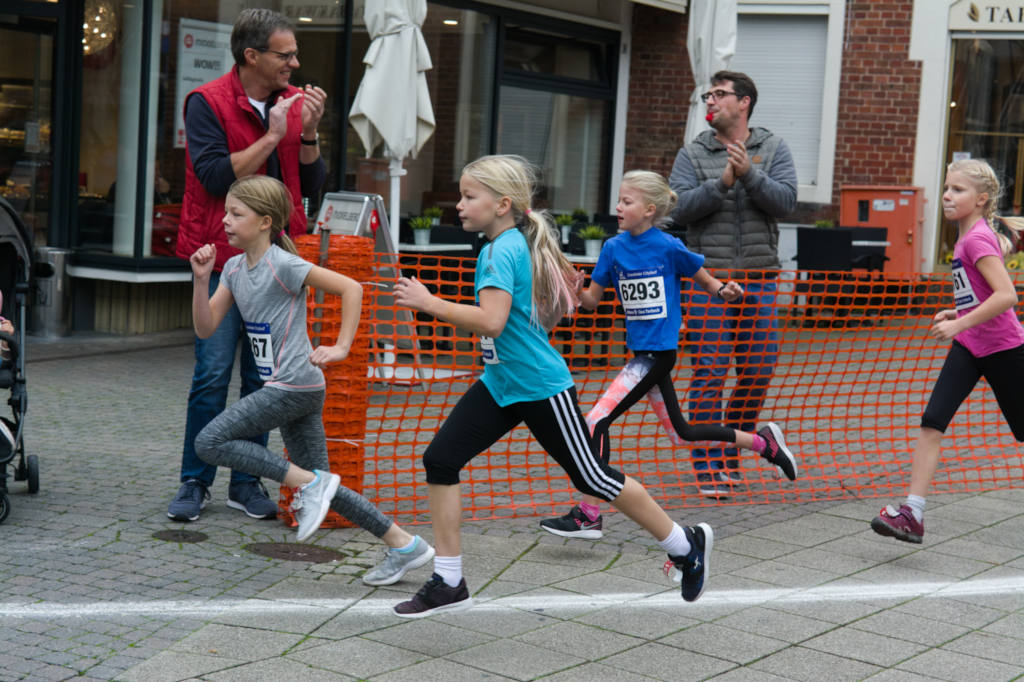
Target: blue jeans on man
(743, 334)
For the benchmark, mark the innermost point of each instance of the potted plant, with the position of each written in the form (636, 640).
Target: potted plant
(564, 222)
(421, 229)
(593, 237)
(824, 224)
(580, 215)
(434, 213)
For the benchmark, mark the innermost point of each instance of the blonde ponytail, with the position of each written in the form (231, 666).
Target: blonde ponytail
(1015, 224)
(555, 281)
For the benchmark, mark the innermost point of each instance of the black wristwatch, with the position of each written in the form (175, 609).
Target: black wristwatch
(312, 143)
(720, 290)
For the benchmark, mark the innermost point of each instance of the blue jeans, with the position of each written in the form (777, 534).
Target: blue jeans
(215, 360)
(744, 334)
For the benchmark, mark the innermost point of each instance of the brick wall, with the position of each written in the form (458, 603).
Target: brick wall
(660, 82)
(878, 97)
(877, 123)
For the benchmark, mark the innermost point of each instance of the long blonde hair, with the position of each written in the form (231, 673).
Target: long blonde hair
(984, 179)
(267, 196)
(655, 190)
(554, 278)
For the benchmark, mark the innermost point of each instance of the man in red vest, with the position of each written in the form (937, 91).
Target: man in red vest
(249, 121)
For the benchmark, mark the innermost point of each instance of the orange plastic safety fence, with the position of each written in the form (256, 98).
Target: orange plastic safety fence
(855, 367)
(348, 390)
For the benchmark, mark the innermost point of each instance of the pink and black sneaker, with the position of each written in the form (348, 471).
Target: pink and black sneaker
(898, 523)
(776, 452)
(575, 524)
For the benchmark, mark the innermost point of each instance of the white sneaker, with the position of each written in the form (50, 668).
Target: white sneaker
(396, 564)
(312, 501)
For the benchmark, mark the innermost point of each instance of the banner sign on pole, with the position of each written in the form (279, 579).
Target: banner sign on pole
(204, 54)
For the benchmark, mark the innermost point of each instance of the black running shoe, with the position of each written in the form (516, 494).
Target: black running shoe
(435, 597)
(693, 569)
(575, 524)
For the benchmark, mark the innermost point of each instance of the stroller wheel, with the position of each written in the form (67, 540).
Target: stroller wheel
(5, 506)
(32, 473)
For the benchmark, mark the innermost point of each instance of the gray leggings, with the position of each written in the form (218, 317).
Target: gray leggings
(297, 414)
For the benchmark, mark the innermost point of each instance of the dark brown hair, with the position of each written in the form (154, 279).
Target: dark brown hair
(742, 84)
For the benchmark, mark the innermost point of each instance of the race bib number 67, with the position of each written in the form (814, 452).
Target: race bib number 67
(262, 348)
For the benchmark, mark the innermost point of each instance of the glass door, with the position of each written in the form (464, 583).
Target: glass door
(26, 96)
(986, 120)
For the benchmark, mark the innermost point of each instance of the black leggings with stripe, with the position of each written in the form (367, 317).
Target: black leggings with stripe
(477, 422)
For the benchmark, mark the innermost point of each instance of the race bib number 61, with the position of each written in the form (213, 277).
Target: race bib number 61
(963, 293)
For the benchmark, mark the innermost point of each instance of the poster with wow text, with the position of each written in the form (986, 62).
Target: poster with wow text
(204, 53)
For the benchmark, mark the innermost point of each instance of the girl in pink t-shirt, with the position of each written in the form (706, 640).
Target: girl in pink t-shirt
(988, 340)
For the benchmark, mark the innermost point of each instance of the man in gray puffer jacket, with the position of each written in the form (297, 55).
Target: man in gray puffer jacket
(734, 182)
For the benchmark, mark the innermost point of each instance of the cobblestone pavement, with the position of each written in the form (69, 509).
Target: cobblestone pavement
(802, 592)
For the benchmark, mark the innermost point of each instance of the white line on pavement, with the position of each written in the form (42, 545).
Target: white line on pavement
(841, 592)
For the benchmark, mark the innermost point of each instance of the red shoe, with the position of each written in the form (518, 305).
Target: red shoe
(898, 523)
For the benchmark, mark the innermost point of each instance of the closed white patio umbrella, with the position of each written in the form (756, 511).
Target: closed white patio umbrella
(711, 44)
(392, 104)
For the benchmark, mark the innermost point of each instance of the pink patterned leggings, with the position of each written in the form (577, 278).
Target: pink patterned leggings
(648, 373)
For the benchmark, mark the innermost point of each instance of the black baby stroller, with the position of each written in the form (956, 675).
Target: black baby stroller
(15, 278)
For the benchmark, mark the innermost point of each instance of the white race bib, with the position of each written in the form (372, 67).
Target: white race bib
(262, 348)
(489, 351)
(963, 294)
(643, 297)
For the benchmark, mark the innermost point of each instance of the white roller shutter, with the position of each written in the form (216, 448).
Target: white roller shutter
(785, 55)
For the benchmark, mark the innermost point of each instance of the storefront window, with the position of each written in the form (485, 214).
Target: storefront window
(112, 58)
(497, 85)
(552, 104)
(986, 119)
(555, 54)
(555, 108)
(190, 46)
(566, 136)
(26, 94)
(461, 86)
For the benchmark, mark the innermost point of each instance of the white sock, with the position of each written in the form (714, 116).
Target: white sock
(916, 504)
(449, 568)
(676, 543)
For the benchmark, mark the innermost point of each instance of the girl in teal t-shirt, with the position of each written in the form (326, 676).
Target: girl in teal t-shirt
(524, 285)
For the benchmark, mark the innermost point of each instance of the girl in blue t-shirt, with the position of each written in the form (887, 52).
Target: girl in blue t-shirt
(645, 265)
(524, 285)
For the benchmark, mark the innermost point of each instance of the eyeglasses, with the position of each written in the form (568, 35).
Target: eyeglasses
(717, 94)
(283, 56)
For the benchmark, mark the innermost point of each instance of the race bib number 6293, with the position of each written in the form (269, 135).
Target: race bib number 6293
(643, 298)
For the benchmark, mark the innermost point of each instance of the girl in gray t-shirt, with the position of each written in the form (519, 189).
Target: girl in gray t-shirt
(267, 281)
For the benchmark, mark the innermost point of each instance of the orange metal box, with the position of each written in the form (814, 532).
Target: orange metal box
(897, 207)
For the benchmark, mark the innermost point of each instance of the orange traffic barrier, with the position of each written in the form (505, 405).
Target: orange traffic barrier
(348, 391)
